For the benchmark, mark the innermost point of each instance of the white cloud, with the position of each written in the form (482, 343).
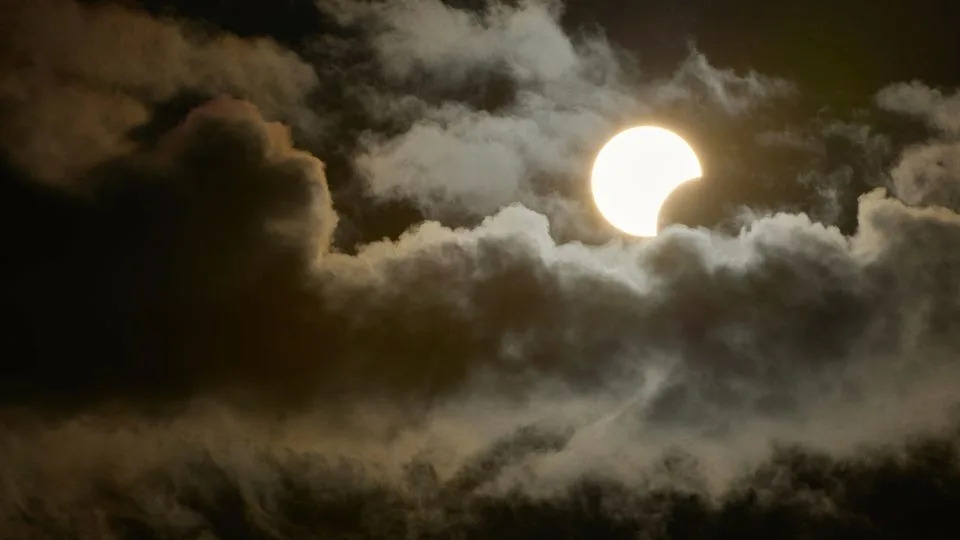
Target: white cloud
(939, 110)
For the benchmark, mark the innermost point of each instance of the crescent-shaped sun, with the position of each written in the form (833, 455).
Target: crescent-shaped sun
(636, 171)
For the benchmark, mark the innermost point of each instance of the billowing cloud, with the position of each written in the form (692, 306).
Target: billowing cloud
(928, 172)
(199, 225)
(465, 161)
(77, 77)
(561, 96)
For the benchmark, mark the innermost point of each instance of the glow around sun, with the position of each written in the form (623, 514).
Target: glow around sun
(636, 171)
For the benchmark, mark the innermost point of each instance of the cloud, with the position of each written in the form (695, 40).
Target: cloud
(929, 174)
(732, 93)
(178, 480)
(745, 326)
(929, 104)
(464, 161)
(463, 158)
(168, 241)
(415, 37)
(70, 107)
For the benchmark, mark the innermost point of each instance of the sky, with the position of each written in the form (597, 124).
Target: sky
(331, 269)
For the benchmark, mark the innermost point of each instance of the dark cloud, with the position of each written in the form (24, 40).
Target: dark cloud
(202, 347)
(199, 488)
(166, 237)
(77, 77)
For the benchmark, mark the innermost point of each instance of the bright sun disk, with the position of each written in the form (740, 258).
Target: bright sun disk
(636, 171)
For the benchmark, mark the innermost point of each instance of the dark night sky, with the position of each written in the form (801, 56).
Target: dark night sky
(842, 49)
(330, 269)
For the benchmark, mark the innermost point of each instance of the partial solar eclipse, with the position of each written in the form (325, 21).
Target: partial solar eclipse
(636, 171)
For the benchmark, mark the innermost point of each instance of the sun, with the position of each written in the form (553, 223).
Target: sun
(636, 171)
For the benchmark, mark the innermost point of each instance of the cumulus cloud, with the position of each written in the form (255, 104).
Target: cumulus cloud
(457, 160)
(511, 302)
(460, 158)
(77, 77)
(927, 173)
